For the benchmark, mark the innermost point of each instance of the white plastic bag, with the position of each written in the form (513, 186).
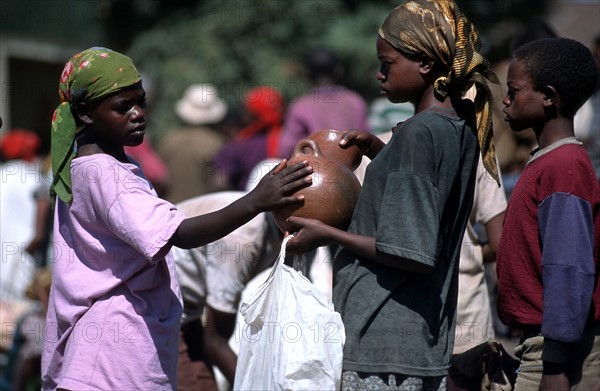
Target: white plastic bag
(292, 339)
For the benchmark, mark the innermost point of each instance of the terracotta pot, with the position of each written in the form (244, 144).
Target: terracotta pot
(334, 191)
(329, 144)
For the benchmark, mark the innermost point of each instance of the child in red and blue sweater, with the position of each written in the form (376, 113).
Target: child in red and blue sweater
(547, 259)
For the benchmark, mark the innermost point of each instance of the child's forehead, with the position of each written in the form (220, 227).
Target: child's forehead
(517, 70)
(133, 91)
(385, 48)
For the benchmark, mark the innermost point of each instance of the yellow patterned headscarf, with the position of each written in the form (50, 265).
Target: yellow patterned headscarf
(439, 30)
(88, 76)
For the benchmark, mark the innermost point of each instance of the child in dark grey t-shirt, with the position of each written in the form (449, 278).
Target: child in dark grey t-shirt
(395, 281)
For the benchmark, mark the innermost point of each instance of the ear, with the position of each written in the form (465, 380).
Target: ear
(551, 102)
(83, 113)
(425, 65)
(551, 97)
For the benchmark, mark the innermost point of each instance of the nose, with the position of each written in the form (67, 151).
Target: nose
(380, 76)
(138, 113)
(506, 100)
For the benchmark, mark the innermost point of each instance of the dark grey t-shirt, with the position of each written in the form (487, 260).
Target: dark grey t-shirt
(415, 200)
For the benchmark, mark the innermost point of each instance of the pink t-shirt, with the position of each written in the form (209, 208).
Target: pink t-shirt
(115, 304)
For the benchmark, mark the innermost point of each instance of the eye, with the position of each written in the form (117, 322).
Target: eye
(511, 93)
(384, 67)
(123, 108)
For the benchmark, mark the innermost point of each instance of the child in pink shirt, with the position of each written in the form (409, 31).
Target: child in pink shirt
(115, 305)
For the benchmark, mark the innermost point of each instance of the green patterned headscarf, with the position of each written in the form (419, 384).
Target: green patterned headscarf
(87, 77)
(438, 29)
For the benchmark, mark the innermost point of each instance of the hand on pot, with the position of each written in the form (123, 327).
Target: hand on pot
(278, 189)
(309, 234)
(369, 144)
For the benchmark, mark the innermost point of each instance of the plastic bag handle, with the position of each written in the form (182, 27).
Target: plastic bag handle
(281, 258)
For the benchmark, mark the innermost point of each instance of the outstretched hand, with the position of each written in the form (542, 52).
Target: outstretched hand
(369, 144)
(278, 187)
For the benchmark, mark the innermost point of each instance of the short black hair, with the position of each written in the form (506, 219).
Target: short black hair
(563, 63)
(322, 61)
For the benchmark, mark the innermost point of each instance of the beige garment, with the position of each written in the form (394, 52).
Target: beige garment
(188, 154)
(583, 368)
(217, 273)
(474, 317)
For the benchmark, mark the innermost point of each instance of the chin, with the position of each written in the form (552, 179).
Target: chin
(135, 141)
(515, 127)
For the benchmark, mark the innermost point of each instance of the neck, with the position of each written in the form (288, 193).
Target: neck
(553, 131)
(428, 101)
(87, 146)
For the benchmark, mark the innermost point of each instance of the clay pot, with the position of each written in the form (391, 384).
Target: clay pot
(329, 144)
(334, 191)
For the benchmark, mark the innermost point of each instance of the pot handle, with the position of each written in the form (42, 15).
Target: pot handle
(307, 147)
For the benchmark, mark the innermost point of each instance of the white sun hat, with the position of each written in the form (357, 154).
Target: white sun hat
(201, 105)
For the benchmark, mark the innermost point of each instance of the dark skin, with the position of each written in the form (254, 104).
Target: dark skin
(218, 330)
(401, 80)
(526, 108)
(493, 229)
(119, 120)
(42, 214)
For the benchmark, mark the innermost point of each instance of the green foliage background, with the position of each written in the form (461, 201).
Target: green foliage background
(237, 44)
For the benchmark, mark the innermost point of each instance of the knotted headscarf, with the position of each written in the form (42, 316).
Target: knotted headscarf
(439, 30)
(87, 77)
(267, 106)
(20, 144)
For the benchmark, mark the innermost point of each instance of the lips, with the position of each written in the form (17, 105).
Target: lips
(139, 130)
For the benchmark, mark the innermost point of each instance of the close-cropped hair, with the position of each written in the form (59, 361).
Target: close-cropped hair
(563, 63)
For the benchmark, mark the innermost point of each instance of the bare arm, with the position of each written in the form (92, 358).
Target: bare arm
(217, 332)
(369, 144)
(274, 191)
(314, 233)
(493, 229)
(42, 213)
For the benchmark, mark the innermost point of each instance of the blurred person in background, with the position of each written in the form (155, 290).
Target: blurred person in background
(23, 368)
(328, 105)
(587, 119)
(263, 109)
(474, 321)
(384, 115)
(188, 151)
(21, 178)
